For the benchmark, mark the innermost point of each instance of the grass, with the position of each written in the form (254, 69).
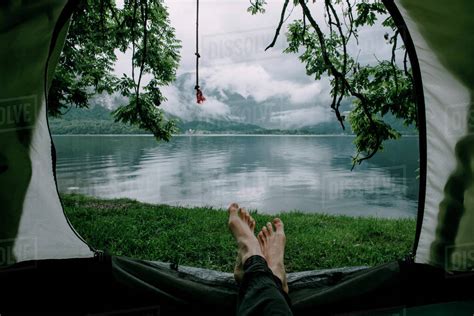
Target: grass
(199, 236)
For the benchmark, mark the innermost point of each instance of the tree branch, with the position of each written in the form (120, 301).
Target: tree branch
(133, 38)
(405, 67)
(280, 24)
(337, 74)
(394, 56)
(351, 22)
(144, 12)
(345, 55)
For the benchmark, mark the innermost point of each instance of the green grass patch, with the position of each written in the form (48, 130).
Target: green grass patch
(199, 236)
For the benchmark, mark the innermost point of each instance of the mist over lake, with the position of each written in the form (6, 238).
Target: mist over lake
(268, 173)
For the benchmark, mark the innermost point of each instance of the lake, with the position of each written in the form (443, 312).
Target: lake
(268, 173)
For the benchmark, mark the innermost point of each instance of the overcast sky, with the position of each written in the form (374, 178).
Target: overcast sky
(230, 35)
(232, 56)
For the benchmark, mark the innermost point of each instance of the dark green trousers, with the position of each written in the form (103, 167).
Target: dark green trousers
(261, 292)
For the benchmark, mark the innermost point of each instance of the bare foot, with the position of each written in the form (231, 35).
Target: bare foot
(272, 243)
(242, 226)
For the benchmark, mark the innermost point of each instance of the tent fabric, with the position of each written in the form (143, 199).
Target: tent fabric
(392, 286)
(124, 286)
(198, 286)
(442, 33)
(32, 221)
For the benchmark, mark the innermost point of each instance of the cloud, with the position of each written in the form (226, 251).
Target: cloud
(214, 107)
(234, 61)
(268, 102)
(222, 20)
(301, 117)
(184, 106)
(253, 80)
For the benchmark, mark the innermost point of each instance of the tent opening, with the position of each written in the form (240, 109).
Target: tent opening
(287, 153)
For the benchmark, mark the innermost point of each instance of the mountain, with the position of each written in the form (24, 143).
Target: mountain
(272, 106)
(94, 120)
(231, 107)
(98, 120)
(219, 127)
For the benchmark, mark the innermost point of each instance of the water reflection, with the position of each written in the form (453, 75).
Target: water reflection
(271, 174)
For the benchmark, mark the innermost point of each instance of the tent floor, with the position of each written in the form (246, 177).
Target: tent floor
(123, 286)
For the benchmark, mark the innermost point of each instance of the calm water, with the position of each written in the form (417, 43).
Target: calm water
(268, 173)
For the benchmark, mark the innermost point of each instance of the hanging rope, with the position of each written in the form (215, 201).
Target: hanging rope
(199, 96)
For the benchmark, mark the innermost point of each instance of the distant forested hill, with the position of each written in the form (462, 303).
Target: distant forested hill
(95, 120)
(236, 114)
(98, 120)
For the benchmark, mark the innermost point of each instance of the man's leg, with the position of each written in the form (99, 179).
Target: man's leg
(263, 286)
(261, 292)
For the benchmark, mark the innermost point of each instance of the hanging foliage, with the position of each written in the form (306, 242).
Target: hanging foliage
(374, 90)
(99, 29)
